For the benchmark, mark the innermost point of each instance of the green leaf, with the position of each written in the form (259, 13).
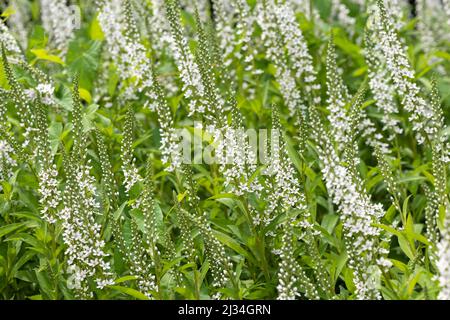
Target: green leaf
(37, 38)
(119, 211)
(131, 292)
(3, 80)
(44, 284)
(21, 261)
(8, 12)
(329, 221)
(35, 244)
(405, 246)
(223, 196)
(95, 30)
(348, 279)
(181, 196)
(85, 95)
(389, 229)
(405, 209)
(233, 244)
(402, 266)
(442, 54)
(42, 54)
(412, 283)
(126, 278)
(168, 266)
(55, 132)
(83, 59)
(11, 228)
(293, 154)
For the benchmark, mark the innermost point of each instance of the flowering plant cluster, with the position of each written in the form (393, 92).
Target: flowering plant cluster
(213, 149)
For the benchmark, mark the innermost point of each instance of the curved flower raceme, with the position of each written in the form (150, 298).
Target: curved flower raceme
(403, 76)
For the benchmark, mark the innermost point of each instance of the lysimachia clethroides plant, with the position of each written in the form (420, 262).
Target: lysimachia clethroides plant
(269, 149)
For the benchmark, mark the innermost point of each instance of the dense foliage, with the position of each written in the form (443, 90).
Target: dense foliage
(97, 200)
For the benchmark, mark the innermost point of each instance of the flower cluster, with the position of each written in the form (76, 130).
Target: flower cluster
(184, 223)
(305, 7)
(440, 148)
(402, 75)
(433, 28)
(358, 214)
(3, 104)
(140, 264)
(225, 16)
(446, 4)
(60, 22)
(108, 181)
(19, 97)
(431, 214)
(35, 121)
(8, 40)
(388, 177)
(170, 146)
(78, 215)
(443, 263)
(220, 262)
(283, 187)
(127, 52)
(382, 88)
(399, 11)
(338, 98)
(32, 110)
(193, 87)
(235, 27)
(288, 49)
(341, 14)
(7, 162)
(290, 274)
(79, 136)
(143, 254)
(130, 171)
(357, 211)
(297, 48)
(18, 21)
(244, 29)
(364, 126)
(200, 6)
(158, 27)
(438, 202)
(50, 194)
(214, 101)
(238, 160)
(81, 233)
